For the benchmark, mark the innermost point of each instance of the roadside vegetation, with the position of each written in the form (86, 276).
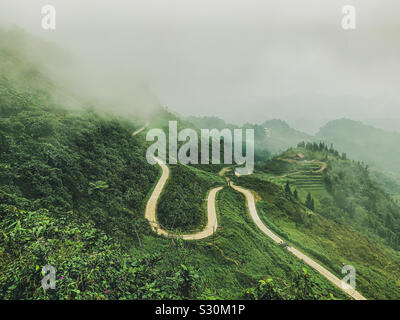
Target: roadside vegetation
(182, 206)
(74, 185)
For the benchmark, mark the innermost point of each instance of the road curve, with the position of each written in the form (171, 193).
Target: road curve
(151, 210)
(212, 224)
(316, 266)
(141, 129)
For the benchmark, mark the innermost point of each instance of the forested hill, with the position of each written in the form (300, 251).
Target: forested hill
(64, 160)
(271, 137)
(343, 190)
(364, 142)
(73, 186)
(72, 189)
(348, 215)
(277, 135)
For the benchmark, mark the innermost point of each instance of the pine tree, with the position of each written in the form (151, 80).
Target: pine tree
(312, 207)
(309, 202)
(287, 188)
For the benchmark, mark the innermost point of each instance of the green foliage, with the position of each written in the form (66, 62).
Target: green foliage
(182, 205)
(329, 242)
(287, 188)
(359, 202)
(310, 202)
(299, 286)
(86, 165)
(240, 254)
(98, 185)
(73, 186)
(89, 264)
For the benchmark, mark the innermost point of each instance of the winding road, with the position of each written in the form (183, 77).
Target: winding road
(212, 224)
(151, 210)
(141, 129)
(251, 206)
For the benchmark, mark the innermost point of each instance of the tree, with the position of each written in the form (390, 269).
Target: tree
(301, 144)
(296, 196)
(309, 202)
(287, 188)
(312, 207)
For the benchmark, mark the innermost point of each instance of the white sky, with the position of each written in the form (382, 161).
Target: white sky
(243, 60)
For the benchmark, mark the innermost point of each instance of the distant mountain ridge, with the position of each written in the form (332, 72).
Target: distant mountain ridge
(273, 136)
(358, 140)
(363, 142)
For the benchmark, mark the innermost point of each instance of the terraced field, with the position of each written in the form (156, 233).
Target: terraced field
(306, 177)
(306, 181)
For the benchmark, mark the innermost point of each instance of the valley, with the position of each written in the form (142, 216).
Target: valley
(77, 193)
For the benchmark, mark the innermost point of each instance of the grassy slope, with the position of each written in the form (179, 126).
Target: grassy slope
(238, 255)
(377, 267)
(88, 169)
(92, 178)
(332, 243)
(345, 192)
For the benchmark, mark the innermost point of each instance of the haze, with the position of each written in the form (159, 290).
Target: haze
(245, 61)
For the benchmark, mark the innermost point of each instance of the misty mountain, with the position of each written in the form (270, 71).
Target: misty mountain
(277, 135)
(210, 123)
(271, 137)
(73, 187)
(363, 142)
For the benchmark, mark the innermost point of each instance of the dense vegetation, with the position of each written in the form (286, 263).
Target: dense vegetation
(345, 191)
(348, 200)
(70, 182)
(360, 202)
(73, 186)
(182, 206)
(234, 261)
(84, 165)
(89, 264)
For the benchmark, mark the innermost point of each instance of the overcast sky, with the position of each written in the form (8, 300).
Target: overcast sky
(247, 60)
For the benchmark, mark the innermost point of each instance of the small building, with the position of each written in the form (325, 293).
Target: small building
(299, 157)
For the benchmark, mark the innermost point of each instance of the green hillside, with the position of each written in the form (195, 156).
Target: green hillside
(271, 137)
(364, 143)
(350, 211)
(182, 206)
(344, 190)
(331, 243)
(74, 185)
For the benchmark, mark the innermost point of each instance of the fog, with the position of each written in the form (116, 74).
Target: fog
(249, 60)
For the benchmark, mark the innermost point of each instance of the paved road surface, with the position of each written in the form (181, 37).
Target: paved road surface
(151, 210)
(212, 224)
(316, 266)
(141, 129)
